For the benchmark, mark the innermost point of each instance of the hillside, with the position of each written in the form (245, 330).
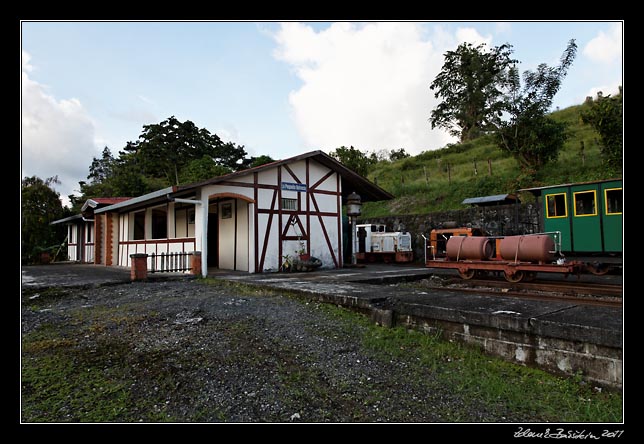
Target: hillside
(439, 180)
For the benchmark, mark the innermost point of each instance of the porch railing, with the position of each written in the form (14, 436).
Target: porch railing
(169, 262)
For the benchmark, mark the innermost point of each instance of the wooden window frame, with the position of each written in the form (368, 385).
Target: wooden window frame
(594, 213)
(606, 190)
(565, 215)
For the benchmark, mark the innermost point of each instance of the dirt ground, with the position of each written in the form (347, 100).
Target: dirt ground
(191, 350)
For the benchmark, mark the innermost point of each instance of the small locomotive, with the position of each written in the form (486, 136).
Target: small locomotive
(374, 243)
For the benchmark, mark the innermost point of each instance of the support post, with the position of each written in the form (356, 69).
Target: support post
(139, 266)
(195, 265)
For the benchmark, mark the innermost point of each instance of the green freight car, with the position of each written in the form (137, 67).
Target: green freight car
(587, 214)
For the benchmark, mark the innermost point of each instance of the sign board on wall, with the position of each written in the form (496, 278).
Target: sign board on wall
(290, 186)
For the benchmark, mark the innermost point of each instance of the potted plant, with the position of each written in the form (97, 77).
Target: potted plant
(287, 265)
(304, 256)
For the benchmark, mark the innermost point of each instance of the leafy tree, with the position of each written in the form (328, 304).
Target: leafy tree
(168, 153)
(102, 168)
(471, 85)
(605, 115)
(163, 149)
(398, 154)
(261, 160)
(202, 169)
(529, 134)
(353, 159)
(40, 205)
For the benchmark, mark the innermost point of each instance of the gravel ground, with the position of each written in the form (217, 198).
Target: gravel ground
(196, 352)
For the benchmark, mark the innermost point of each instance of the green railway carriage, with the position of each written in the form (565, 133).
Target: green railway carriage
(588, 215)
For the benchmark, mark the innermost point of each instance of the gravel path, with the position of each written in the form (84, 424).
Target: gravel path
(194, 352)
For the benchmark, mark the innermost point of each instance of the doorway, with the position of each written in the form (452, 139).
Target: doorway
(213, 236)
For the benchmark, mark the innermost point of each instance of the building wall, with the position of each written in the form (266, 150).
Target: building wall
(123, 244)
(266, 230)
(261, 229)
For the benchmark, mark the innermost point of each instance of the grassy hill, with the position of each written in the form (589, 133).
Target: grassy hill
(439, 180)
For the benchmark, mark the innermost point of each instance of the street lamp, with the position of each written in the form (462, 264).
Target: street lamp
(354, 207)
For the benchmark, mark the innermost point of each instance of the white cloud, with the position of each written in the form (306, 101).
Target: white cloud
(606, 47)
(364, 85)
(502, 28)
(57, 135)
(471, 35)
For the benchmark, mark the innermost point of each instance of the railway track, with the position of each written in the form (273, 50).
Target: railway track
(567, 288)
(582, 293)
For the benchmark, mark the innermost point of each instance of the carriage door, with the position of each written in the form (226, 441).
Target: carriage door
(586, 222)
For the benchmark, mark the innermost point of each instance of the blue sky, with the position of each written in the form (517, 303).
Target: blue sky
(277, 88)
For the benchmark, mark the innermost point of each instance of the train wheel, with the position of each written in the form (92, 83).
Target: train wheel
(516, 277)
(466, 274)
(597, 268)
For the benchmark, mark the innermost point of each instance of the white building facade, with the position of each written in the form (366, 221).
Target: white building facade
(251, 220)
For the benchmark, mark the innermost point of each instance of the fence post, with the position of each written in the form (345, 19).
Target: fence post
(195, 265)
(139, 266)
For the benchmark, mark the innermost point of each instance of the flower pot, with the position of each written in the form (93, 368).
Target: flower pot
(304, 257)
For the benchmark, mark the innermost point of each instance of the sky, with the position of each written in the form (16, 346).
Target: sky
(277, 88)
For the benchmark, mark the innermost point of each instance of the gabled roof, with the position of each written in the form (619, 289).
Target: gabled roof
(146, 199)
(351, 181)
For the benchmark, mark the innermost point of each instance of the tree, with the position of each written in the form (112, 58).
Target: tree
(168, 153)
(529, 134)
(202, 169)
(102, 168)
(398, 154)
(40, 205)
(605, 115)
(471, 84)
(353, 159)
(261, 160)
(163, 149)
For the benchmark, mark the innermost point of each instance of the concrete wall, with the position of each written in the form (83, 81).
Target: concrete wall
(599, 363)
(497, 220)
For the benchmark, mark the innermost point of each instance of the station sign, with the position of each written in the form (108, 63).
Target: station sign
(290, 186)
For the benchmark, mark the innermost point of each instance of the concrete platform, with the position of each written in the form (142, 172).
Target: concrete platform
(556, 336)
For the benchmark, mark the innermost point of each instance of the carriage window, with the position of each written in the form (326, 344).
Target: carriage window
(585, 203)
(556, 205)
(613, 201)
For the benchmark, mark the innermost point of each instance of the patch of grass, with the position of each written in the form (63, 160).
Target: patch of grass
(59, 385)
(439, 179)
(238, 288)
(76, 379)
(474, 375)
